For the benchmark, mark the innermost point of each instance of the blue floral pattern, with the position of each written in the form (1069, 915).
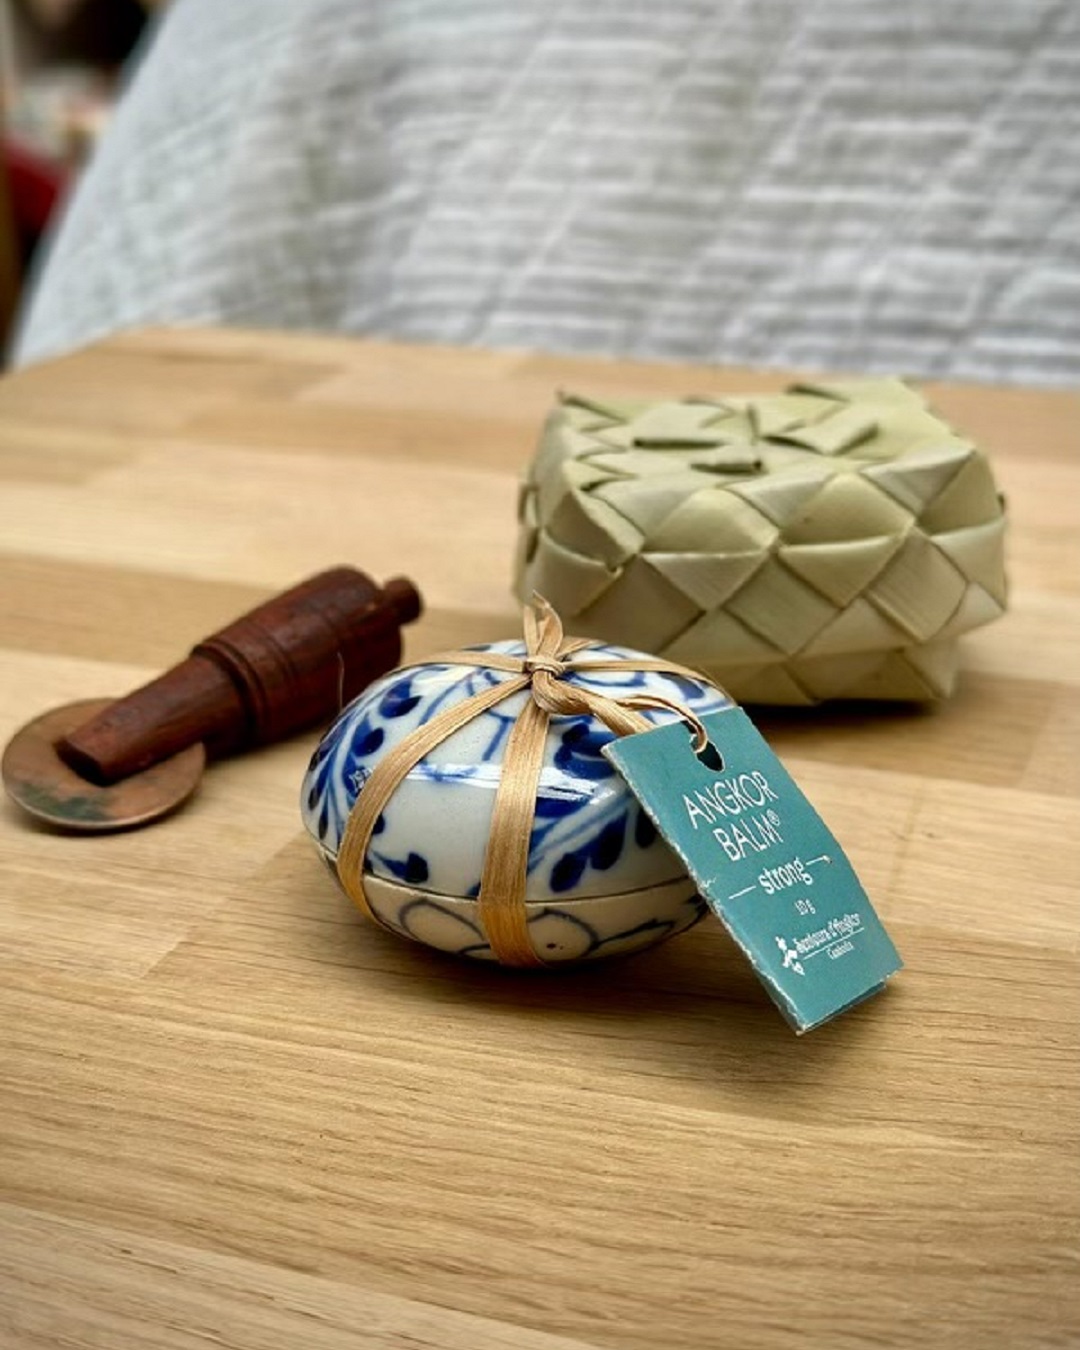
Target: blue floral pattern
(589, 838)
(584, 930)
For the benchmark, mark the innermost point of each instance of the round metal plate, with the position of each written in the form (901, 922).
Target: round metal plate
(38, 779)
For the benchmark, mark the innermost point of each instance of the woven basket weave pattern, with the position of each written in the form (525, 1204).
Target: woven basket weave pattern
(832, 541)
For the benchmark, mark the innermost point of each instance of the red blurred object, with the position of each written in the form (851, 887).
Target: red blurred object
(36, 184)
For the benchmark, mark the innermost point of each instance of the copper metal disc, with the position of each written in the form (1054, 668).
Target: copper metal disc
(38, 779)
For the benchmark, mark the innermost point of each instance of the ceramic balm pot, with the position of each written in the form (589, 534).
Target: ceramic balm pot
(598, 881)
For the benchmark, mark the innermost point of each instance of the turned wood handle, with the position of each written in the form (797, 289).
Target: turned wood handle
(287, 665)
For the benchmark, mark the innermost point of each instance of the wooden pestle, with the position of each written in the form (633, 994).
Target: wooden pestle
(285, 666)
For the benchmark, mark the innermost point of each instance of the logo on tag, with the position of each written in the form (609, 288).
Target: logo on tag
(764, 861)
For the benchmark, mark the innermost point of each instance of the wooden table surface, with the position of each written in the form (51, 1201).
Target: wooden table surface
(234, 1114)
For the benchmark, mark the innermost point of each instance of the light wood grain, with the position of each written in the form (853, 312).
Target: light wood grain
(232, 1113)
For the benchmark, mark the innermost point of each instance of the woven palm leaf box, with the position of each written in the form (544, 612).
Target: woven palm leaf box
(832, 541)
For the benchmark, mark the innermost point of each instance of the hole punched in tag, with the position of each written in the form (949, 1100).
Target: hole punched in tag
(711, 757)
(290, 664)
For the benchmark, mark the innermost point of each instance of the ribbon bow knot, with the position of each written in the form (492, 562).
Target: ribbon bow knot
(543, 671)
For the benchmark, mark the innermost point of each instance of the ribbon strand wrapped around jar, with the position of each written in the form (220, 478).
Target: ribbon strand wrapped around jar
(558, 849)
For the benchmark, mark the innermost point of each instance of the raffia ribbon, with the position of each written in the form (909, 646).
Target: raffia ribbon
(549, 657)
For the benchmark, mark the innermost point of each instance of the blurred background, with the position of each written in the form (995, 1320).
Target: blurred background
(845, 184)
(59, 66)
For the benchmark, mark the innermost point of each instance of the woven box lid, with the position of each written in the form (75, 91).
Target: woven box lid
(832, 541)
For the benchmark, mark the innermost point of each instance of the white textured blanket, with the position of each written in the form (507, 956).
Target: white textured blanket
(861, 184)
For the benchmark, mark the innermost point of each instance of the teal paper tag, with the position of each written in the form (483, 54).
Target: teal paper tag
(765, 862)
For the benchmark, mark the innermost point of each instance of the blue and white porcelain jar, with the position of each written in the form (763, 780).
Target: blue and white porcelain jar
(600, 882)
